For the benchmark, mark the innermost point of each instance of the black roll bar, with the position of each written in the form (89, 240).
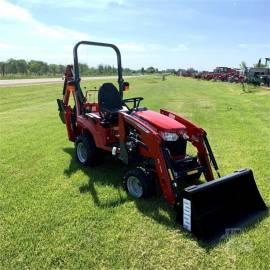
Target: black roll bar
(119, 64)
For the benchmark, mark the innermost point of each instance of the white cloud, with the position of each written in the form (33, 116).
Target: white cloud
(58, 32)
(131, 47)
(155, 47)
(4, 45)
(12, 12)
(196, 37)
(255, 46)
(15, 14)
(243, 45)
(83, 4)
(24, 36)
(180, 48)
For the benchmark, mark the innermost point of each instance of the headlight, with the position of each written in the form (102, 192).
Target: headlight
(169, 136)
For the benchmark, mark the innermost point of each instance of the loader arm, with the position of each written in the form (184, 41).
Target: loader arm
(197, 136)
(232, 201)
(154, 151)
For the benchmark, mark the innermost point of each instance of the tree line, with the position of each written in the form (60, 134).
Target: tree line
(33, 67)
(40, 68)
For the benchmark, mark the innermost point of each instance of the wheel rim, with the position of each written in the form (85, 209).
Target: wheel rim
(81, 152)
(134, 187)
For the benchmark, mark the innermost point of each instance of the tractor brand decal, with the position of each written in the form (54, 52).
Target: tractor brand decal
(187, 214)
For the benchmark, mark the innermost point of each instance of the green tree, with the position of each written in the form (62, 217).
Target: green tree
(243, 67)
(44, 68)
(38, 67)
(11, 66)
(259, 64)
(150, 70)
(53, 69)
(21, 66)
(34, 66)
(2, 68)
(170, 70)
(84, 69)
(100, 69)
(191, 70)
(60, 69)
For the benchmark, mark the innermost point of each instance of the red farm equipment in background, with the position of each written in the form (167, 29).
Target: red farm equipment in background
(224, 74)
(227, 74)
(154, 144)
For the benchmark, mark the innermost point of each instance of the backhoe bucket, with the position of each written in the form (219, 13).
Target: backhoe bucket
(222, 206)
(61, 109)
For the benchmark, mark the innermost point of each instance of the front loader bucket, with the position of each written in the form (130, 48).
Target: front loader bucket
(213, 209)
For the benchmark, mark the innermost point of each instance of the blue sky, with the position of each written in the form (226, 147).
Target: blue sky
(166, 34)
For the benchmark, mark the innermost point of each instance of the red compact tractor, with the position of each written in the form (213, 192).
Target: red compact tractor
(155, 145)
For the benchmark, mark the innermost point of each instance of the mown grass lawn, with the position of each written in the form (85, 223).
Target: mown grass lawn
(56, 215)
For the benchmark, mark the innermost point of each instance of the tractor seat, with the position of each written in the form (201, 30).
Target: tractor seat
(110, 102)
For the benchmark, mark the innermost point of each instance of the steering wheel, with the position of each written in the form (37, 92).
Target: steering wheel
(136, 103)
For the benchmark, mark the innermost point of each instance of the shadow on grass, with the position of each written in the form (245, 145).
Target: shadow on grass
(249, 88)
(111, 172)
(248, 225)
(105, 175)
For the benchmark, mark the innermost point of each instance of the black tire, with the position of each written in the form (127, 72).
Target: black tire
(86, 151)
(140, 179)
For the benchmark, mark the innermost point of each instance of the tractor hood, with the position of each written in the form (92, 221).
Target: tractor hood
(161, 122)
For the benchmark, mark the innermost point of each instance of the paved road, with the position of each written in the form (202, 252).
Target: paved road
(18, 82)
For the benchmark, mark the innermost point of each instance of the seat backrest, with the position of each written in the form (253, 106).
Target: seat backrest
(109, 98)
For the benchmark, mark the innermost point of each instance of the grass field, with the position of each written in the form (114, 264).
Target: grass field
(56, 215)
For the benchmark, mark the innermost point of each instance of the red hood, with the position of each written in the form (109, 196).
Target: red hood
(160, 121)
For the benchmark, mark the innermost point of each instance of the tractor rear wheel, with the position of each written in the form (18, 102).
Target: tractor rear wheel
(86, 150)
(139, 183)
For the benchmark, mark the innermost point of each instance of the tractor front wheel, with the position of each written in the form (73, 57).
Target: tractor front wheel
(86, 150)
(139, 183)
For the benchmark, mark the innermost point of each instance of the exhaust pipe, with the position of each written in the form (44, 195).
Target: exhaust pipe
(212, 209)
